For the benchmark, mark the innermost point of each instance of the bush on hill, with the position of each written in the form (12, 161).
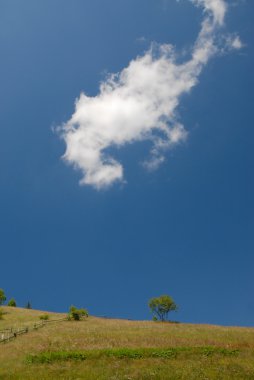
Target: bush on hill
(44, 317)
(12, 302)
(77, 314)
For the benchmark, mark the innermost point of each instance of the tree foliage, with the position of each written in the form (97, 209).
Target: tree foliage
(161, 306)
(2, 296)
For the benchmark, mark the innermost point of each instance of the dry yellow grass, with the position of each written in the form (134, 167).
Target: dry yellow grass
(97, 333)
(16, 316)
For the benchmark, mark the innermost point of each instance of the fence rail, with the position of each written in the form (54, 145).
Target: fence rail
(11, 333)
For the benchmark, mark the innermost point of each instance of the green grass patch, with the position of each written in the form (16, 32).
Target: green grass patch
(129, 353)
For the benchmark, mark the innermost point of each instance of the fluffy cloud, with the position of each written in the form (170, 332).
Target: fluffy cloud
(138, 104)
(235, 42)
(216, 7)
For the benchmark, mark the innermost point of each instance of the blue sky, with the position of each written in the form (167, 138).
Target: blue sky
(185, 229)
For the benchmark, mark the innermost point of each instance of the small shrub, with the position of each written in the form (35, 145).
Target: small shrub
(12, 302)
(77, 314)
(44, 317)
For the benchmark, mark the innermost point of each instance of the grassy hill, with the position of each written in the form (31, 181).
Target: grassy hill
(110, 349)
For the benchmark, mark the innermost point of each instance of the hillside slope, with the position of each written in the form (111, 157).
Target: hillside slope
(199, 351)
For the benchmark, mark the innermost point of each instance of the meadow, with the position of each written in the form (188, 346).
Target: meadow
(113, 349)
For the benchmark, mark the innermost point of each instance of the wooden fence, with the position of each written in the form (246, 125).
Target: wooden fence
(9, 334)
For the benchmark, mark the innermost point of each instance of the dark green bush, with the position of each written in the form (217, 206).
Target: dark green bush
(12, 302)
(44, 317)
(77, 314)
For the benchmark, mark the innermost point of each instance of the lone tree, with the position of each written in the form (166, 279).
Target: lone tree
(161, 306)
(2, 297)
(28, 305)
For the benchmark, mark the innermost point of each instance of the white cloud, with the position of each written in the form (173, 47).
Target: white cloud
(153, 163)
(216, 8)
(235, 43)
(138, 104)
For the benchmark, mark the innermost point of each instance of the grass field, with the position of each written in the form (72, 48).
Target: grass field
(108, 349)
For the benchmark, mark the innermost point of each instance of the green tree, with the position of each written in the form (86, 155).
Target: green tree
(161, 306)
(2, 297)
(12, 302)
(28, 305)
(77, 314)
